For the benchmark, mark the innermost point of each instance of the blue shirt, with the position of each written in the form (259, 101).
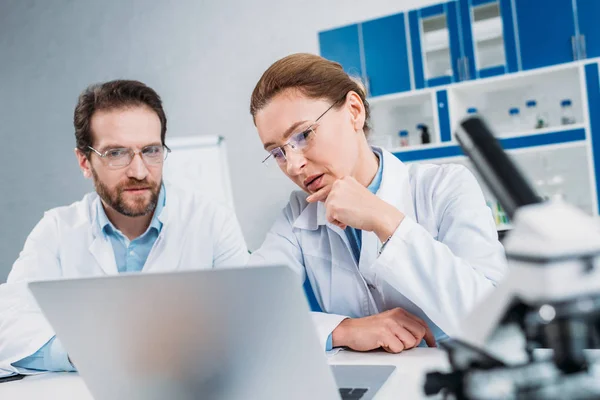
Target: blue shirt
(130, 256)
(354, 237)
(353, 234)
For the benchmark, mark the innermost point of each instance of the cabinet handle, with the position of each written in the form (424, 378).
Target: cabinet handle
(459, 64)
(574, 47)
(582, 46)
(466, 68)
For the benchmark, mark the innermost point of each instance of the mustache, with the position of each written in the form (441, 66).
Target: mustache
(136, 184)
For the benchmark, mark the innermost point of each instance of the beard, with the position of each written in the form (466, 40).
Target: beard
(139, 207)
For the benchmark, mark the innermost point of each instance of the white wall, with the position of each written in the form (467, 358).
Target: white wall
(204, 58)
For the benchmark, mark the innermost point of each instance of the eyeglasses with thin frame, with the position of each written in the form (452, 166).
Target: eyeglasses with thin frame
(298, 142)
(120, 157)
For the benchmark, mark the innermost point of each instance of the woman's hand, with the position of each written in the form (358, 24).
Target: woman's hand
(394, 331)
(348, 203)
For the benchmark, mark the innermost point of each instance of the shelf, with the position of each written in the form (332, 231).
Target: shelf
(452, 149)
(437, 50)
(420, 147)
(487, 29)
(436, 41)
(532, 132)
(518, 79)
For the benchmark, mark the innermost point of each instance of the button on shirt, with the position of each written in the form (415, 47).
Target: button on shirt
(130, 256)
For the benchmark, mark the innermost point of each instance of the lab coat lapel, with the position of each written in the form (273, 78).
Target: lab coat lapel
(395, 185)
(100, 246)
(166, 252)
(315, 215)
(322, 220)
(395, 189)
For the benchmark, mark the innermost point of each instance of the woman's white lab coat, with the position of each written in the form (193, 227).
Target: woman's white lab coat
(442, 258)
(68, 243)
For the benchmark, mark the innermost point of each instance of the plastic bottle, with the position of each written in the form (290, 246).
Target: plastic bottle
(403, 138)
(425, 136)
(515, 117)
(566, 115)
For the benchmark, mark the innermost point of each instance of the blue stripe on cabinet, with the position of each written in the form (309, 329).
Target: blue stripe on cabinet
(431, 11)
(572, 135)
(476, 3)
(428, 154)
(454, 36)
(510, 41)
(441, 81)
(593, 91)
(521, 142)
(444, 115)
(492, 71)
(415, 42)
(466, 27)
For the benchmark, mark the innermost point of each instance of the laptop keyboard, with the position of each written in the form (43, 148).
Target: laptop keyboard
(352, 394)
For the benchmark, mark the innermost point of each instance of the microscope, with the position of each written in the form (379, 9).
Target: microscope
(529, 338)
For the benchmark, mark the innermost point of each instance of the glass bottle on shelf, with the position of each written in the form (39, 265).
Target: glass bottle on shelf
(535, 118)
(403, 138)
(515, 118)
(566, 112)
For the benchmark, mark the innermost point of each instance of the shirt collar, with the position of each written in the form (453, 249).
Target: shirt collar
(107, 227)
(376, 182)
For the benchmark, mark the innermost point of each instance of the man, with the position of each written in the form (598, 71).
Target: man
(132, 223)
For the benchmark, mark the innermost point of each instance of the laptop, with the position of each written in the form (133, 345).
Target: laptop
(243, 333)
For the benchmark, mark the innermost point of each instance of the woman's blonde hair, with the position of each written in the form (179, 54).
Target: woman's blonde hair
(314, 76)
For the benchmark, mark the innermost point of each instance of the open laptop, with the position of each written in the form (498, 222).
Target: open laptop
(243, 333)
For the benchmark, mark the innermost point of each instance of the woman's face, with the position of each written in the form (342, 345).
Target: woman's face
(325, 153)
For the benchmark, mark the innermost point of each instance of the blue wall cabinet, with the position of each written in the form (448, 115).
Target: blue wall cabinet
(546, 32)
(488, 33)
(438, 56)
(386, 55)
(343, 45)
(588, 40)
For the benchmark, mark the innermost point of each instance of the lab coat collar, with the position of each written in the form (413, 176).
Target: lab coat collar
(395, 186)
(395, 189)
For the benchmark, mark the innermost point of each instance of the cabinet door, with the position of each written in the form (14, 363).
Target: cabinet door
(489, 37)
(546, 32)
(386, 55)
(436, 45)
(342, 45)
(589, 28)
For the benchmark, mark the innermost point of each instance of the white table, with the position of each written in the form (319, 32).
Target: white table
(405, 383)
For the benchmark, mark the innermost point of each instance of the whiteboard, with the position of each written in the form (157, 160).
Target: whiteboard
(200, 163)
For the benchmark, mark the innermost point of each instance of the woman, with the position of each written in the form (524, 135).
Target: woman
(394, 253)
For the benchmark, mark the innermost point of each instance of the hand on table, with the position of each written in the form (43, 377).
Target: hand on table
(394, 331)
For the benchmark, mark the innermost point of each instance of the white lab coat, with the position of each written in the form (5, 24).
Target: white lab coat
(441, 260)
(68, 243)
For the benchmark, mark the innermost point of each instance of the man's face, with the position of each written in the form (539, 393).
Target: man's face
(133, 189)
